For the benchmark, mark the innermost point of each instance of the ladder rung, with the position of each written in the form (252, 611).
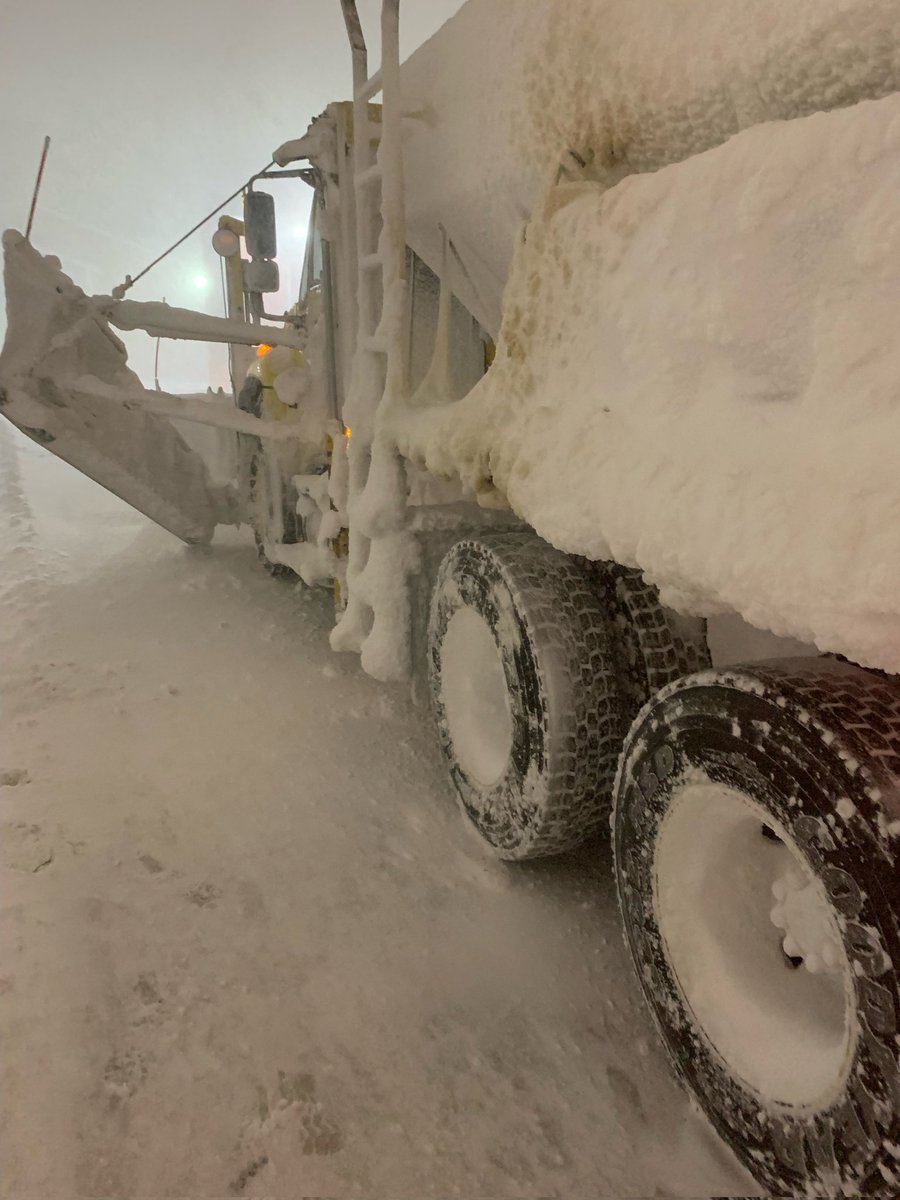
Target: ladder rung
(370, 88)
(371, 262)
(369, 175)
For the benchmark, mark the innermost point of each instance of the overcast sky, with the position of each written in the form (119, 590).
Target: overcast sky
(157, 110)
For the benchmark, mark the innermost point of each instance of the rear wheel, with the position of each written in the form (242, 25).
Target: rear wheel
(756, 830)
(538, 662)
(524, 692)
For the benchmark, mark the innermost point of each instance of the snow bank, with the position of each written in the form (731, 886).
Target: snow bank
(508, 89)
(698, 375)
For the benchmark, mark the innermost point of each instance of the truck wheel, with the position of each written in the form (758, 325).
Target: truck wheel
(271, 518)
(756, 831)
(525, 692)
(538, 663)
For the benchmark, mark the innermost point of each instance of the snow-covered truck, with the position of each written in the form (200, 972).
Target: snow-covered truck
(593, 371)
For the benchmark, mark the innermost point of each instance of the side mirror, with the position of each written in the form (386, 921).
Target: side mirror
(259, 224)
(260, 275)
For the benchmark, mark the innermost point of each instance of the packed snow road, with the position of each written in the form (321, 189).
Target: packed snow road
(248, 947)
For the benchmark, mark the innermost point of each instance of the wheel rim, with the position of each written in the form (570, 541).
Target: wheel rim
(734, 909)
(475, 697)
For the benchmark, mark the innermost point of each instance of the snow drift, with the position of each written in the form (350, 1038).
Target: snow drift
(698, 374)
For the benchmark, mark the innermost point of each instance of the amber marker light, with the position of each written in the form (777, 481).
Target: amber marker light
(262, 349)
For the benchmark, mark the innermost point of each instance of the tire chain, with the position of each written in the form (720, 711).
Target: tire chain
(603, 628)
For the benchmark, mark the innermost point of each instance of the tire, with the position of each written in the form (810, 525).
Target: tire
(570, 639)
(653, 645)
(545, 617)
(780, 1014)
(288, 519)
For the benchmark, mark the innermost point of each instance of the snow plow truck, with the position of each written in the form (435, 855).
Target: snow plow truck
(589, 412)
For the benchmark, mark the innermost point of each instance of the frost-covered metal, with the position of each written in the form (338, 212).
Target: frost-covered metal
(376, 619)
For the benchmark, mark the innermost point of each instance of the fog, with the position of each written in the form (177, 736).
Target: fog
(157, 112)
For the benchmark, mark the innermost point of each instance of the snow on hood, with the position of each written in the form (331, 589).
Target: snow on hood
(508, 88)
(699, 374)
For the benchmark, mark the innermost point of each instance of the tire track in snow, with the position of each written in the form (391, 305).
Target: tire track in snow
(27, 569)
(20, 518)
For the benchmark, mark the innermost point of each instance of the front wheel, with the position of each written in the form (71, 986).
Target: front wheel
(756, 829)
(271, 516)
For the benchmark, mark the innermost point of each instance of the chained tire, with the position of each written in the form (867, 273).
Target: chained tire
(653, 646)
(537, 666)
(756, 838)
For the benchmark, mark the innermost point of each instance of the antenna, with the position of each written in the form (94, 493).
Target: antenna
(37, 188)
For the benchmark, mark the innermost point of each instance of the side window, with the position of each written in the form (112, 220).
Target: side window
(317, 255)
(312, 263)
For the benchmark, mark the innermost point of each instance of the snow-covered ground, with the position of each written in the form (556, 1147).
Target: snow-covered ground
(248, 947)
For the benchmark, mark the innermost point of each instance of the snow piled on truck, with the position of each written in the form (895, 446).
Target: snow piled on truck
(633, 87)
(698, 374)
(509, 90)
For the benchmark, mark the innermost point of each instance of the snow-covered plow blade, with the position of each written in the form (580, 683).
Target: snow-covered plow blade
(64, 382)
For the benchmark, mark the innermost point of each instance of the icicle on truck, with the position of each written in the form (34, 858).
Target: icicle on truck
(594, 355)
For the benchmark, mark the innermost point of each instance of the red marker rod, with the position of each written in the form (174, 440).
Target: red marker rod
(37, 188)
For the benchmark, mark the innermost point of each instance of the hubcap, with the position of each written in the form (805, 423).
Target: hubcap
(475, 697)
(736, 911)
(802, 914)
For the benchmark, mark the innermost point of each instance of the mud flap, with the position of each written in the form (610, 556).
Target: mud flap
(64, 383)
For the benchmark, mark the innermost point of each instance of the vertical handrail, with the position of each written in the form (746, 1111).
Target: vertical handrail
(358, 47)
(376, 619)
(393, 205)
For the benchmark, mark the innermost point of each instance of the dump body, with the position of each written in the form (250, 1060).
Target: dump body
(698, 376)
(508, 92)
(695, 372)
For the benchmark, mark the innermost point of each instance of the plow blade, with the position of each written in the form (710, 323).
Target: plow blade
(64, 383)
